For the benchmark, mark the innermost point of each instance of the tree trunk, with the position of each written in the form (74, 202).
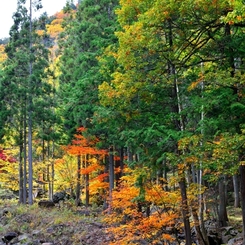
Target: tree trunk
(49, 178)
(242, 182)
(179, 125)
(222, 204)
(52, 169)
(78, 186)
(165, 175)
(185, 212)
(111, 169)
(25, 164)
(200, 237)
(117, 162)
(111, 176)
(86, 182)
(121, 161)
(130, 154)
(21, 169)
(236, 191)
(201, 218)
(30, 169)
(106, 170)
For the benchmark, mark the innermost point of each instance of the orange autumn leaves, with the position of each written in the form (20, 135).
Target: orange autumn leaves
(150, 219)
(81, 145)
(92, 161)
(129, 217)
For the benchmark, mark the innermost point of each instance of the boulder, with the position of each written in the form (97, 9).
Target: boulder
(46, 204)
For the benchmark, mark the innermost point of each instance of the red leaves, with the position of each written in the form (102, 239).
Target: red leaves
(4, 157)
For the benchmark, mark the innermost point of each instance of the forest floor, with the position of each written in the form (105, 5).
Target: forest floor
(235, 217)
(53, 226)
(68, 225)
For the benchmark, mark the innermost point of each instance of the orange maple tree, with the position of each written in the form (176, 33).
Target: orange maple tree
(92, 167)
(133, 218)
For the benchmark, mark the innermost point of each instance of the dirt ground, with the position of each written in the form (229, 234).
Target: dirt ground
(57, 226)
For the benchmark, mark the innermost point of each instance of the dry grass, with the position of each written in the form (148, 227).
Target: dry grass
(60, 226)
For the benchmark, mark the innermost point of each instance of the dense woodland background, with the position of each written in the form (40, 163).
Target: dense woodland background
(137, 105)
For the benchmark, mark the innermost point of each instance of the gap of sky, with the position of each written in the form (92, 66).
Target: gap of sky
(8, 7)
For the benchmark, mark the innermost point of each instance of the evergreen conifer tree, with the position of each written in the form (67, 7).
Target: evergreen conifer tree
(85, 37)
(26, 86)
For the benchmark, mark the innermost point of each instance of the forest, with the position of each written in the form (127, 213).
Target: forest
(137, 106)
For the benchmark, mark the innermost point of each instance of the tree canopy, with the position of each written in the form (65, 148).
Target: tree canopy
(137, 105)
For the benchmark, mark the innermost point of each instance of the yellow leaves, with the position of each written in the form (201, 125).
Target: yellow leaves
(189, 142)
(65, 170)
(55, 28)
(3, 55)
(40, 32)
(120, 91)
(82, 156)
(157, 195)
(130, 11)
(133, 37)
(109, 94)
(96, 186)
(194, 190)
(125, 196)
(181, 169)
(9, 169)
(9, 176)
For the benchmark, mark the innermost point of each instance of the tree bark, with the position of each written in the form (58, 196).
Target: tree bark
(199, 232)
(21, 169)
(118, 166)
(30, 169)
(222, 204)
(130, 154)
(185, 212)
(106, 170)
(111, 170)
(121, 161)
(236, 191)
(86, 182)
(242, 182)
(78, 187)
(111, 176)
(52, 178)
(25, 163)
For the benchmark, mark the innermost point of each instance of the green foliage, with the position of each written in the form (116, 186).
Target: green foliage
(92, 26)
(16, 77)
(163, 80)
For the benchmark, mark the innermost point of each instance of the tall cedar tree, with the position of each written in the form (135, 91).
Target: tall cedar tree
(26, 87)
(87, 32)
